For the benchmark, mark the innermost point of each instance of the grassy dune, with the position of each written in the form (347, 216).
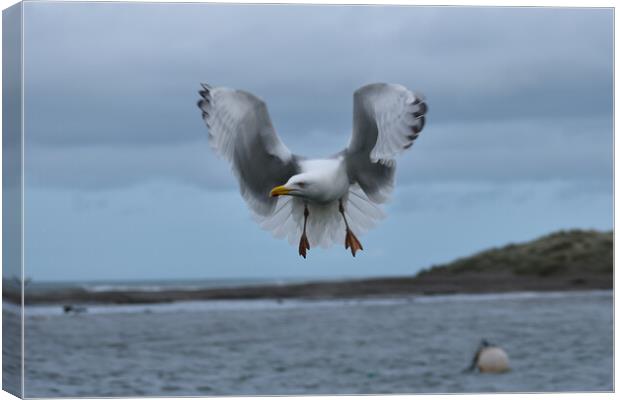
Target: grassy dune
(574, 252)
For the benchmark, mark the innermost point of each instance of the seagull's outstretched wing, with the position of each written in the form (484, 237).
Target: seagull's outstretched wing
(387, 119)
(240, 130)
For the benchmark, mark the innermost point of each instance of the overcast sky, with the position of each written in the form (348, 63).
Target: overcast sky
(121, 183)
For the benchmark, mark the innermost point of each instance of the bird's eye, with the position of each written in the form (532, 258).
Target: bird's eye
(301, 184)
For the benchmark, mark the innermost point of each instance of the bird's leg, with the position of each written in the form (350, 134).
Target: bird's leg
(350, 239)
(303, 242)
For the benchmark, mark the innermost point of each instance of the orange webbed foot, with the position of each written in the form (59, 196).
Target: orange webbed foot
(352, 242)
(303, 245)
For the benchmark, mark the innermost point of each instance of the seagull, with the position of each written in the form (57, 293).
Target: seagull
(316, 201)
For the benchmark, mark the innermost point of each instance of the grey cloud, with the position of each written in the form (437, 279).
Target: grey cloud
(568, 149)
(454, 196)
(442, 196)
(94, 168)
(585, 189)
(115, 103)
(497, 152)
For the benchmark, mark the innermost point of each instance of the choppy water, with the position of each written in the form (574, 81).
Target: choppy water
(556, 342)
(156, 285)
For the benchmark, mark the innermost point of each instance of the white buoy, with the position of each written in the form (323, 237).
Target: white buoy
(493, 359)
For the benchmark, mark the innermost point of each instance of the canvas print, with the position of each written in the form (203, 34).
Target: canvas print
(207, 199)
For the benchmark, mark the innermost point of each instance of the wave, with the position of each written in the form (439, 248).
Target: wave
(264, 304)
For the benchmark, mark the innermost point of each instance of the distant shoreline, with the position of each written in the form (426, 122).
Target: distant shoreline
(376, 287)
(562, 261)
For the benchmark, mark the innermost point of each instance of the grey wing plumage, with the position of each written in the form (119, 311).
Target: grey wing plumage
(387, 119)
(240, 130)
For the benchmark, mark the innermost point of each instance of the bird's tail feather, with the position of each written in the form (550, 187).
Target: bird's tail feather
(325, 223)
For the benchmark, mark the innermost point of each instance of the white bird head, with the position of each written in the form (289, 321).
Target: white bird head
(301, 185)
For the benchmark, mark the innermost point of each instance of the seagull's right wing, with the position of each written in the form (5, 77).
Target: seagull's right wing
(387, 118)
(240, 130)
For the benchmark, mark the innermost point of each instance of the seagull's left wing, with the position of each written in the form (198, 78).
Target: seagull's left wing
(240, 130)
(387, 119)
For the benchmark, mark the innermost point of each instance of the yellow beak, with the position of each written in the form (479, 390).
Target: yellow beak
(279, 191)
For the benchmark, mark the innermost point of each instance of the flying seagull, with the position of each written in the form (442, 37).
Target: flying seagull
(315, 201)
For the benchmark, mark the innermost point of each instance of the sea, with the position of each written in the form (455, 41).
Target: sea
(556, 342)
(164, 284)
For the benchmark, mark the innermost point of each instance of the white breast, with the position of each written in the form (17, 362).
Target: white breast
(330, 176)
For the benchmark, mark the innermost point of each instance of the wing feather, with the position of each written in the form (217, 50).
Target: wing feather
(387, 119)
(240, 131)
